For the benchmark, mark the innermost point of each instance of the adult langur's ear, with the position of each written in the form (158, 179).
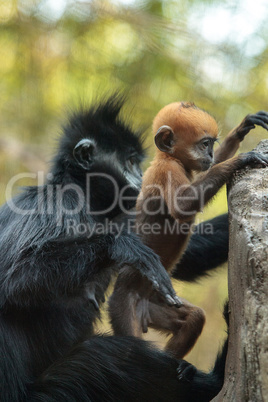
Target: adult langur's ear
(83, 153)
(164, 139)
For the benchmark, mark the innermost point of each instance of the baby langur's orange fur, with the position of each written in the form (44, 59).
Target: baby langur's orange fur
(178, 129)
(171, 195)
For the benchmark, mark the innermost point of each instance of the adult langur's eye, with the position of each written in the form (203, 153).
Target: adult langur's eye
(132, 160)
(206, 143)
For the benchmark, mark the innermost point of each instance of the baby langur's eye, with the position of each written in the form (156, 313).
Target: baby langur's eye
(206, 143)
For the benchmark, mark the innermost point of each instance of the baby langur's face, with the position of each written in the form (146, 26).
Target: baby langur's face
(202, 153)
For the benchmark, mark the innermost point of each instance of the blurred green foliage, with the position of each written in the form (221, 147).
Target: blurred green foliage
(57, 55)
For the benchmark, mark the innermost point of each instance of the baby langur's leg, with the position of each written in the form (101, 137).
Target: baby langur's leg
(184, 323)
(132, 314)
(128, 305)
(122, 312)
(134, 306)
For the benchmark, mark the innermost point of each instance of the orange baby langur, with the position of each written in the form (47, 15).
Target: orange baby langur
(184, 175)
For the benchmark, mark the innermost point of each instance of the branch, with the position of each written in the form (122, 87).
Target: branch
(246, 370)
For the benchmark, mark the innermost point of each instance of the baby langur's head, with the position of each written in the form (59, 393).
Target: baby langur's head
(186, 133)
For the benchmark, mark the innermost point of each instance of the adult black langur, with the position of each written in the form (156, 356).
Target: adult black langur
(58, 253)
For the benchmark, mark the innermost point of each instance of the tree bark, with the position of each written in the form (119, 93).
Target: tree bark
(246, 371)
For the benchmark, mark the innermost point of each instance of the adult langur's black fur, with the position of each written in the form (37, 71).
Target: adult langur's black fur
(53, 277)
(206, 250)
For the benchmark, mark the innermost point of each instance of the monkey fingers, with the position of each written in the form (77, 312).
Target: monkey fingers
(253, 158)
(250, 121)
(90, 292)
(143, 315)
(161, 283)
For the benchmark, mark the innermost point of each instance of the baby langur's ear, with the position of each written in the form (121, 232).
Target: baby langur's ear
(83, 153)
(164, 139)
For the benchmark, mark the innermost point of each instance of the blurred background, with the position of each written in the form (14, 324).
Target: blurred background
(57, 54)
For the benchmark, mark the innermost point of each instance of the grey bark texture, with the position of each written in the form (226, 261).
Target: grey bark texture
(246, 372)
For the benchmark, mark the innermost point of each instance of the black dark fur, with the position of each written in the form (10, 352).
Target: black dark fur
(206, 250)
(51, 284)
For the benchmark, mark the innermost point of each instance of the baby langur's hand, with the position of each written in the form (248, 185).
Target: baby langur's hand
(254, 159)
(250, 122)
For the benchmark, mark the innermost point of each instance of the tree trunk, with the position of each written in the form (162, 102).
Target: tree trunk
(246, 371)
